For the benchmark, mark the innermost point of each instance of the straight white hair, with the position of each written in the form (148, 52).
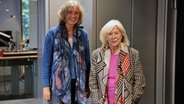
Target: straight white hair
(108, 27)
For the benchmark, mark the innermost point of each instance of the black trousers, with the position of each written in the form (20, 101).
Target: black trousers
(73, 91)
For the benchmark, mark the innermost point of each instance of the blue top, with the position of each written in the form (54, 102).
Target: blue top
(72, 64)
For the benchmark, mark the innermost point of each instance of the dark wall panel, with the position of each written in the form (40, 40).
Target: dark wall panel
(179, 52)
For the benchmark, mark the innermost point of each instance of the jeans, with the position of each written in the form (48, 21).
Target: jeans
(54, 100)
(57, 101)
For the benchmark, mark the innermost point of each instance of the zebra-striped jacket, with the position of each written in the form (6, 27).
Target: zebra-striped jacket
(129, 85)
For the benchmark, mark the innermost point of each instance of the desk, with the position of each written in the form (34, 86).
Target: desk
(15, 62)
(18, 57)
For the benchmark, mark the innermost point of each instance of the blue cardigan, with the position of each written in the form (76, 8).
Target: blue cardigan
(48, 53)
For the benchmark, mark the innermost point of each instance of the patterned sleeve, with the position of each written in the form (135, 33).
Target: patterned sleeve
(139, 78)
(93, 81)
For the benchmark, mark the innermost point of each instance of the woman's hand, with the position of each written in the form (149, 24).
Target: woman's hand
(106, 101)
(47, 93)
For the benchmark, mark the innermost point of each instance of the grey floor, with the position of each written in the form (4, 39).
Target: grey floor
(22, 101)
(28, 101)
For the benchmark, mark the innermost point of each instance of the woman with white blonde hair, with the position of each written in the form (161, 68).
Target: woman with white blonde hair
(116, 74)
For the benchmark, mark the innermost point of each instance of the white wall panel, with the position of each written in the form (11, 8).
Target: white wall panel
(54, 5)
(33, 24)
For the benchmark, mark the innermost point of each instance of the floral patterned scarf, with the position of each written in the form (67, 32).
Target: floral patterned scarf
(61, 84)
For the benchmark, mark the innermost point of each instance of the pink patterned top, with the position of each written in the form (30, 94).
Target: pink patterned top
(112, 77)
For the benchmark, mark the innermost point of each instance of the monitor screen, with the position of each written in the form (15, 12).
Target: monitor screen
(5, 37)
